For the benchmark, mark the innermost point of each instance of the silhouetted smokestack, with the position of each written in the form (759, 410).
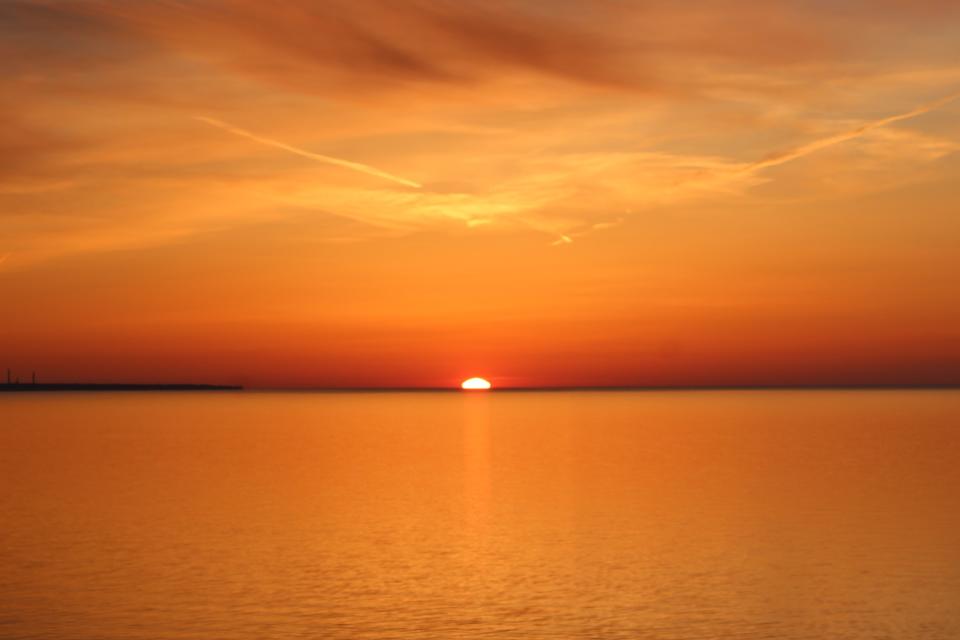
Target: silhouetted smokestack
(8, 376)
(34, 377)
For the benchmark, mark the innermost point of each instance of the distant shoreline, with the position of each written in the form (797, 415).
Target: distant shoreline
(15, 387)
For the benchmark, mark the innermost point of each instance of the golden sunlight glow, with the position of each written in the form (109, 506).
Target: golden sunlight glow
(475, 384)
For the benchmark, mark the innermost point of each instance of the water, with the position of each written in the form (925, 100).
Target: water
(675, 515)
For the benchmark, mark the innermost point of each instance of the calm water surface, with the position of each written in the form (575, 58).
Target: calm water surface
(607, 515)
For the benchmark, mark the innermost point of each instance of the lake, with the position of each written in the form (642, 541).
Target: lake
(661, 515)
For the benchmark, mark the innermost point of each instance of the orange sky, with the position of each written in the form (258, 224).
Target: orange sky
(386, 193)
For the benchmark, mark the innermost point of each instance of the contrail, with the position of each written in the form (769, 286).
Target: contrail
(356, 166)
(811, 147)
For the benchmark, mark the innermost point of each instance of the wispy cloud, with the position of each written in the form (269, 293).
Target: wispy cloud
(823, 143)
(347, 164)
(517, 119)
(341, 47)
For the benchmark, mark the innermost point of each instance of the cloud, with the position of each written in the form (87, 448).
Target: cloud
(858, 131)
(348, 45)
(517, 116)
(360, 48)
(368, 49)
(354, 166)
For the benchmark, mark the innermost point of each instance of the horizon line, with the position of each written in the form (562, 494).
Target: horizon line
(708, 387)
(147, 386)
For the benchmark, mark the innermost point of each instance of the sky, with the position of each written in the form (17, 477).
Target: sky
(543, 193)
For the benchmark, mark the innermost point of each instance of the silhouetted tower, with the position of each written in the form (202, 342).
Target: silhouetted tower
(8, 376)
(34, 377)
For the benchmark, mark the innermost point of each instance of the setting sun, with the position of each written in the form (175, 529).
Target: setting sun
(475, 384)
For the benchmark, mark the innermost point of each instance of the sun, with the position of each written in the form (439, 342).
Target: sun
(475, 384)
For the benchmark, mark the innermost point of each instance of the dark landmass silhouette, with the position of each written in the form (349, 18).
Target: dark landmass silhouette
(83, 386)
